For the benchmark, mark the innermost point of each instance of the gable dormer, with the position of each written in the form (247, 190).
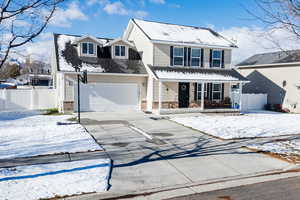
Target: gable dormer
(119, 48)
(87, 46)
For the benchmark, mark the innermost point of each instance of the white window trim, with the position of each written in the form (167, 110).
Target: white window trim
(88, 54)
(205, 90)
(114, 51)
(213, 91)
(195, 57)
(212, 59)
(178, 56)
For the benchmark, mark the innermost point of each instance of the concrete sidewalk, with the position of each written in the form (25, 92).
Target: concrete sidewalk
(177, 156)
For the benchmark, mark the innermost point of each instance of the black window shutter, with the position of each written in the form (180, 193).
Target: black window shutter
(223, 53)
(209, 91)
(189, 57)
(185, 56)
(195, 92)
(222, 97)
(202, 55)
(210, 58)
(171, 55)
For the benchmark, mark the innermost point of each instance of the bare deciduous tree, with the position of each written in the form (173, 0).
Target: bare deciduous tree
(279, 15)
(21, 21)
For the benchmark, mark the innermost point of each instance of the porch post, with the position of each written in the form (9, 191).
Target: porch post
(241, 95)
(159, 96)
(202, 96)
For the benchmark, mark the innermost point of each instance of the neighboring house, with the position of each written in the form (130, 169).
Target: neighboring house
(276, 74)
(156, 67)
(34, 79)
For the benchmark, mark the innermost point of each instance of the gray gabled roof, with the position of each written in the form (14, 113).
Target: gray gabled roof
(183, 34)
(68, 58)
(197, 74)
(272, 58)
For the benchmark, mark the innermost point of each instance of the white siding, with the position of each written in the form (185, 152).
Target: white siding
(142, 44)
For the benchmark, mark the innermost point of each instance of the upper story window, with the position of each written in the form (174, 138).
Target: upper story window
(195, 57)
(178, 56)
(88, 48)
(120, 51)
(216, 58)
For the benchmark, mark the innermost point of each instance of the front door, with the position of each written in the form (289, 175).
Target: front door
(183, 95)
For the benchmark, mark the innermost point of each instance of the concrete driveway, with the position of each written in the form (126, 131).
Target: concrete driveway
(176, 156)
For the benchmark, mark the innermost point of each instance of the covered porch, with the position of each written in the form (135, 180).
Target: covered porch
(196, 90)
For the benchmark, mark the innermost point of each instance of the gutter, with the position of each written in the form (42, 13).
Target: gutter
(105, 74)
(294, 64)
(203, 81)
(192, 44)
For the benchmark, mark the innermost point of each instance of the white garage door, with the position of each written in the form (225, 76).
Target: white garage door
(107, 97)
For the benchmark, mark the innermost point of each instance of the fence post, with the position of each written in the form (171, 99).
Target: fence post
(32, 100)
(4, 96)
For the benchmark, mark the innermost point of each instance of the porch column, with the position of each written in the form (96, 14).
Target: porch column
(159, 96)
(241, 95)
(202, 96)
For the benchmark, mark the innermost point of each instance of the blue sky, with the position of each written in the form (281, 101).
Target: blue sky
(109, 18)
(102, 22)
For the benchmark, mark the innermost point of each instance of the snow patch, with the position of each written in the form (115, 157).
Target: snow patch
(291, 147)
(262, 124)
(50, 180)
(24, 134)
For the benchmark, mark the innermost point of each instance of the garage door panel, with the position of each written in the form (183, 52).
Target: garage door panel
(108, 97)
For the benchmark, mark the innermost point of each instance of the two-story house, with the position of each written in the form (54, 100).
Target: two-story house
(156, 67)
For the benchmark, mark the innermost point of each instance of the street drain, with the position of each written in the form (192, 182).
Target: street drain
(120, 144)
(156, 141)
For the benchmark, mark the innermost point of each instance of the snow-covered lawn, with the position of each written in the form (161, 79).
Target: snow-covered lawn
(25, 134)
(291, 147)
(50, 180)
(260, 124)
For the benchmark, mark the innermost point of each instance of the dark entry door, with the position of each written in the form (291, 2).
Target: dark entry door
(183, 95)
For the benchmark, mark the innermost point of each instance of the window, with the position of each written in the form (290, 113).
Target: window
(216, 91)
(195, 57)
(199, 91)
(216, 58)
(88, 48)
(178, 56)
(120, 51)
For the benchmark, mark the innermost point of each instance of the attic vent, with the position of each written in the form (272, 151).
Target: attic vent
(166, 34)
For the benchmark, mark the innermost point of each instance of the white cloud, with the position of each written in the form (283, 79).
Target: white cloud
(93, 2)
(140, 14)
(158, 1)
(258, 40)
(116, 8)
(64, 17)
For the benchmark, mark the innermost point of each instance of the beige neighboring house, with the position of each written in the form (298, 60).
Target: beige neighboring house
(276, 74)
(155, 67)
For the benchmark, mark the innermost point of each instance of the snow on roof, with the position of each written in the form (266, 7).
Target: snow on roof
(98, 40)
(157, 31)
(172, 75)
(119, 40)
(63, 65)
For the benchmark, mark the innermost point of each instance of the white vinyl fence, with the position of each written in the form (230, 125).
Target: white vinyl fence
(27, 99)
(254, 101)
